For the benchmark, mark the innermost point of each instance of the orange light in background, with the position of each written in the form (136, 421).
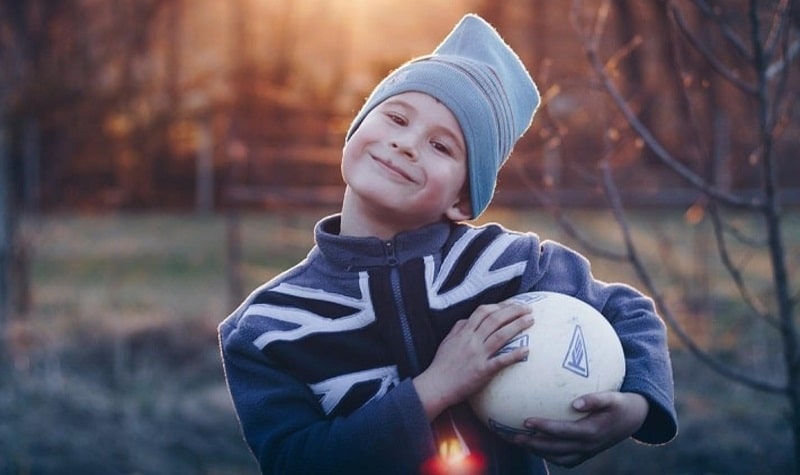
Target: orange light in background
(695, 214)
(454, 459)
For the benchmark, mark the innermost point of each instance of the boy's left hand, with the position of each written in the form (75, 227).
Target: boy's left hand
(610, 418)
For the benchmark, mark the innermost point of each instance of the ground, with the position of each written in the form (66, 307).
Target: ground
(116, 368)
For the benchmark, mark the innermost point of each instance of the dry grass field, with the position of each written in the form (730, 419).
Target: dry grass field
(115, 370)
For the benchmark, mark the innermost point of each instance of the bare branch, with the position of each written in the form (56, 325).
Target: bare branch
(737, 42)
(613, 62)
(766, 123)
(740, 237)
(780, 21)
(712, 59)
(709, 360)
(566, 224)
(782, 64)
(569, 227)
(591, 48)
(749, 299)
(780, 111)
(600, 23)
(663, 155)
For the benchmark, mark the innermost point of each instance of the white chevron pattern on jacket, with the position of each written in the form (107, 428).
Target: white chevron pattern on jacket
(308, 323)
(331, 391)
(480, 277)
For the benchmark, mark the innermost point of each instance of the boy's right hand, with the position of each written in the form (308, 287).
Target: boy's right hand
(466, 360)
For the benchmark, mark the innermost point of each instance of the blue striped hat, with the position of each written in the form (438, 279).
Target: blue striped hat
(487, 88)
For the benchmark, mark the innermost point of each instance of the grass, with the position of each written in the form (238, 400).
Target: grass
(116, 367)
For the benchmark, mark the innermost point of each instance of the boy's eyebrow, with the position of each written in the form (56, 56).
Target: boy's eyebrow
(398, 102)
(450, 133)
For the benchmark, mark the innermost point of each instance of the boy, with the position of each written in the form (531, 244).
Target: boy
(360, 358)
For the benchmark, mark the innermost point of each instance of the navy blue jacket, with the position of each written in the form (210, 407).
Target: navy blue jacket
(319, 360)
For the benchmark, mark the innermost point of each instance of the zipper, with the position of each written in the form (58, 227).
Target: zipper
(411, 351)
(405, 325)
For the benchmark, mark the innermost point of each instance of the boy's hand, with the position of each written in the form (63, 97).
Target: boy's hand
(610, 418)
(464, 361)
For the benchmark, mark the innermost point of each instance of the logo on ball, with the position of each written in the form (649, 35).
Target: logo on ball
(576, 359)
(520, 341)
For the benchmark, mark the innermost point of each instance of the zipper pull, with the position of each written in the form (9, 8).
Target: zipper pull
(391, 258)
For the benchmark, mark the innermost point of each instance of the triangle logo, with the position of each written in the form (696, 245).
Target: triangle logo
(577, 359)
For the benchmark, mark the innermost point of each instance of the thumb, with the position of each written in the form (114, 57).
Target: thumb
(593, 402)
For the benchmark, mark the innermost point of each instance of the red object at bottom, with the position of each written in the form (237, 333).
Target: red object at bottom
(451, 460)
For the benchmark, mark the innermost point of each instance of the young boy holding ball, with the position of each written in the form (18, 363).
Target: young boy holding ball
(360, 359)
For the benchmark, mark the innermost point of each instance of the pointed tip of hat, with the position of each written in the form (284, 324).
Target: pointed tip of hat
(475, 17)
(471, 28)
(475, 38)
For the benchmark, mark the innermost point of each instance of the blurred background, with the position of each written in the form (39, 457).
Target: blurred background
(161, 158)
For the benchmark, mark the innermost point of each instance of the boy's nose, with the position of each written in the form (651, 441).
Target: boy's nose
(404, 147)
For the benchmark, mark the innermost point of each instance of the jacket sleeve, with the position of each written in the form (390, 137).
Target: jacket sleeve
(641, 331)
(288, 432)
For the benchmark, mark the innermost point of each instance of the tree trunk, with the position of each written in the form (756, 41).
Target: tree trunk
(233, 248)
(6, 240)
(204, 170)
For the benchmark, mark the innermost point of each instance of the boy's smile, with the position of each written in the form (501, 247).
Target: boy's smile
(394, 169)
(406, 164)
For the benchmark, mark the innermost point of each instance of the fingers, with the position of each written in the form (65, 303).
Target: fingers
(582, 429)
(546, 428)
(610, 417)
(566, 444)
(488, 313)
(595, 402)
(500, 321)
(468, 356)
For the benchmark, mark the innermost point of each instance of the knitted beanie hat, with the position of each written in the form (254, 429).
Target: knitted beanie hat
(487, 88)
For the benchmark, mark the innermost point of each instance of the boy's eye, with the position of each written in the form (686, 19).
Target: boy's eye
(396, 118)
(440, 147)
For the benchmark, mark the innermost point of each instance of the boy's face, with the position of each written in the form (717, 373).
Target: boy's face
(407, 162)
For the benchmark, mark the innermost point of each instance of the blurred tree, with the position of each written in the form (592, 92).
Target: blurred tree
(735, 67)
(97, 90)
(19, 40)
(68, 81)
(7, 233)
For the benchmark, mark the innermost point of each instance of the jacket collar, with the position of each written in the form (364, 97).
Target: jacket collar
(362, 252)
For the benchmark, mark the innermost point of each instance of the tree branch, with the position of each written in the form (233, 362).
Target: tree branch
(740, 237)
(709, 360)
(569, 227)
(749, 299)
(566, 224)
(591, 47)
(712, 59)
(661, 153)
(777, 255)
(792, 51)
(780, 21)
(738, 43)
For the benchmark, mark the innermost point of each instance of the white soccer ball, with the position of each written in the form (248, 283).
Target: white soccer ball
(573, 351)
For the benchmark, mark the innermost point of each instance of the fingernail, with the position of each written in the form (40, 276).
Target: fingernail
(579, 404)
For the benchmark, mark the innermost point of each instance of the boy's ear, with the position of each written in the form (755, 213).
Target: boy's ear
(461, 210)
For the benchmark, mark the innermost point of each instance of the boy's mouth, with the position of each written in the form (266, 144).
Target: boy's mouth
(390, 166)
